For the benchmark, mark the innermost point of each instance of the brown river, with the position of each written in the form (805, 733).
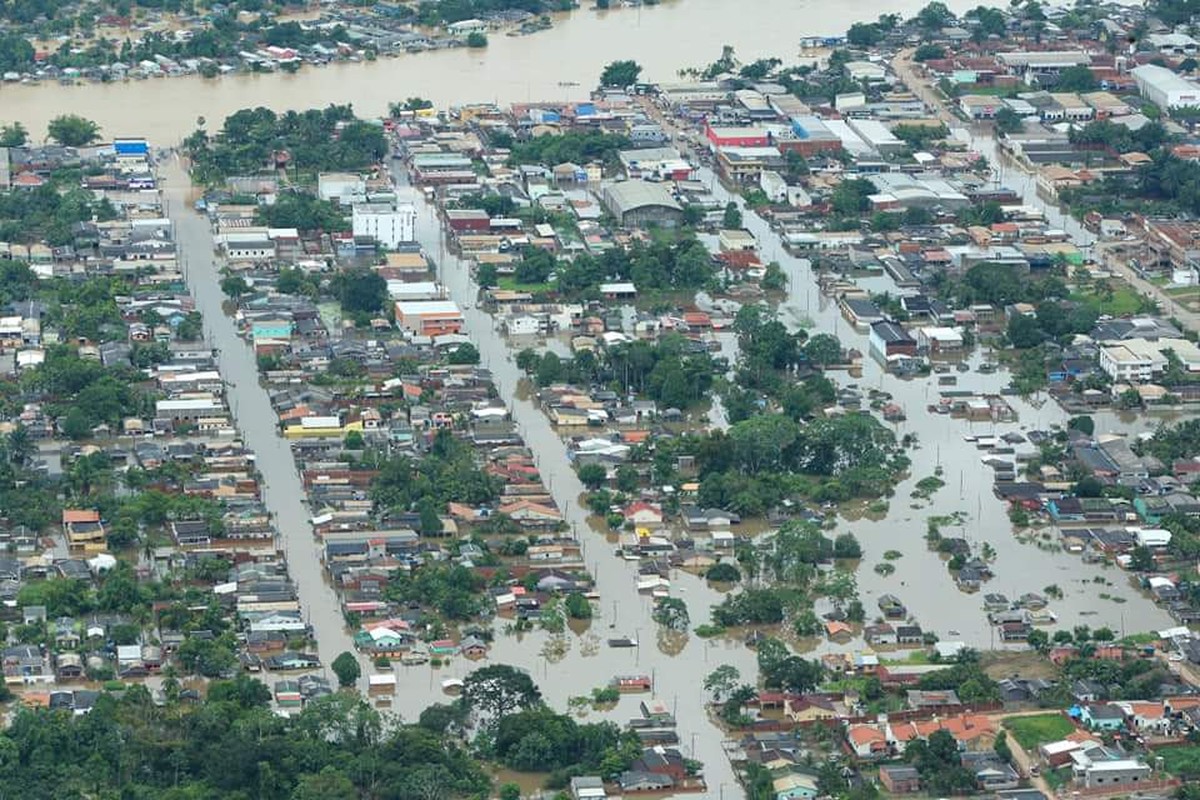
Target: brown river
(663, 39)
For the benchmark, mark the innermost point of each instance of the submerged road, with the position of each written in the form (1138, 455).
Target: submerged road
(679, 675)
(283, 494)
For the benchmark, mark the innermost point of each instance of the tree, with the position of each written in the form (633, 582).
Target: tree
(1076, 79)
(361, 290)
(619, 74)
(671, 612)
(721, 681)
(1089, 487)
(354, 441)
(793, 674)
(934, 16)
(465, 353)
(929, 52)
(627, 478)
(1001, 747)
(346, 668)
(1008, 121)
(846, 546)
(732, 219)
(1040, 641)
(864, 34)
(1024, 332)
(1084, 424)
(487, 276)
(578, 606)
(723, 572)
(593, 476)
(476, 40)
(1142, 559)
(823, 349)
(329, 784)
(72, 130)
(430, 520)
(499, 689)
(234, 286)
(13, 135)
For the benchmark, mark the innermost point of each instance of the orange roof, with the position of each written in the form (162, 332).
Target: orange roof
(865, 734)
(635, 437)
(1145, 709)
(70, 515)
(833, 628)
(963, 728)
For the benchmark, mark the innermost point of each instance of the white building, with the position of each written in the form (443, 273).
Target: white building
(1139, 360)
(1164, 88)
(389, 226)
(340, 186)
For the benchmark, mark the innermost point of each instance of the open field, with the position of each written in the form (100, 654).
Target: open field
(1033, 731)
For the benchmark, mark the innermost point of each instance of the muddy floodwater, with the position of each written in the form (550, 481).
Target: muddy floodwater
(558, 64)
(573, 663)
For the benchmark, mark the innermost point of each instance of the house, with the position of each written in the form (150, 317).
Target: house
(430, 317)
(660, 760)
(795, 785)
(643, 514)
(899, 779)
(637, 204)
(889, 339)
(881, 634)
(587, 787)
(633, 781)
(84, 529)
(1107, 773)
(1102, 717)
(25, 665)
(867, 741)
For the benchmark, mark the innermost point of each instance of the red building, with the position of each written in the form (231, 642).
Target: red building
(737, 137)
(474, 220)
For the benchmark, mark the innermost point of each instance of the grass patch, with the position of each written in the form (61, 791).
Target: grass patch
(1182, 762)
(1033, 731)
(1057, 778)
(1123, 300)
(510, 283)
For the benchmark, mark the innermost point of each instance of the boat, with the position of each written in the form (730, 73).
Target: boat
(568, 83)
(622, 641)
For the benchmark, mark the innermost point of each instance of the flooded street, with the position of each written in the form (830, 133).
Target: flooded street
(663, 39)
(257, 421)
(575, 662)
(921, 579)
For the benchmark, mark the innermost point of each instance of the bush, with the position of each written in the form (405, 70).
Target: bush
(723, 572)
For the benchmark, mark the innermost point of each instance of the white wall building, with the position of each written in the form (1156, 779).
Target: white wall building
(340, 185)
(390, 226)
(1164, 88)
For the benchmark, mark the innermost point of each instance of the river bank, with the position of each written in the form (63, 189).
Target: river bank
(663, 39)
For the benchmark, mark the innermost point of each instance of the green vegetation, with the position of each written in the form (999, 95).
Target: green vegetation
(620, 74)
(72, 130)
(255, 140)
(664, 371)
(336, 749)
(1182, 762)
(1036, 730)
(346, 668)
(579, 148)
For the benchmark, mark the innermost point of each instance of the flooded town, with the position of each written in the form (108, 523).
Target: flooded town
(511, 399)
